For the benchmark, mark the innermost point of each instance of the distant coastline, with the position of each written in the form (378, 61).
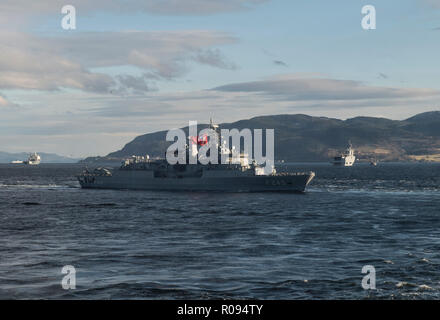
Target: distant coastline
(303, 138)
(6, 157)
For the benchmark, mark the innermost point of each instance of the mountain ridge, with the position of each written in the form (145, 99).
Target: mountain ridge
(300, 137)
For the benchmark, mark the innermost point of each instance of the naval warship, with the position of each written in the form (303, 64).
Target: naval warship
(143, 173)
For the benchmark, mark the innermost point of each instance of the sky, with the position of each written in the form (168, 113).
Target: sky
(132, 67)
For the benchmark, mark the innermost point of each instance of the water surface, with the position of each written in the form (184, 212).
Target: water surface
(163, 245)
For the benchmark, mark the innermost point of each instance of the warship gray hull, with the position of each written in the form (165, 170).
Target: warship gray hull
(145, 180)
(230, 173)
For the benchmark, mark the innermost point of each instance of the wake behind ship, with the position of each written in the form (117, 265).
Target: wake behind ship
(141, 173)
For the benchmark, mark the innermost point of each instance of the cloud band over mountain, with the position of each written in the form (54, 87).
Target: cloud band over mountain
(324, 89)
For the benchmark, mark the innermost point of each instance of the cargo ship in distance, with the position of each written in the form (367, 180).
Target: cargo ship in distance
(141, 173)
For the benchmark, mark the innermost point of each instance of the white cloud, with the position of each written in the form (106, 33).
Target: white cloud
(323, 89)
(162, 52)
(51, 63)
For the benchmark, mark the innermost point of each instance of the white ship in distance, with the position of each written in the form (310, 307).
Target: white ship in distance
(346, 159)
(33, 160)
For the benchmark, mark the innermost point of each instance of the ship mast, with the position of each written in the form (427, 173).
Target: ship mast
(216, 129)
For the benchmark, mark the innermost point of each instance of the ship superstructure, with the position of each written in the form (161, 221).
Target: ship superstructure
(33, 160)
(346, 159)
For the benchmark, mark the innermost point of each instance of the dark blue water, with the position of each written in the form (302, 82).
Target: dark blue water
(161, 245)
